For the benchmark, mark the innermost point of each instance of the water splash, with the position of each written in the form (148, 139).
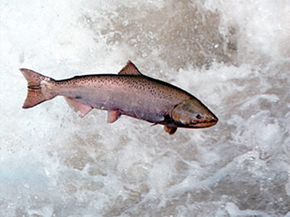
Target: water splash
(232, 55)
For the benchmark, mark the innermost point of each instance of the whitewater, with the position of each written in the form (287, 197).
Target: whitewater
(234, 55)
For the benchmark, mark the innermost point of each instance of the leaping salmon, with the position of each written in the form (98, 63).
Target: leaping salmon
(128, 93)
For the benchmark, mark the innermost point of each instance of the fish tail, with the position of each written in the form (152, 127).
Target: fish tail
(37, 88)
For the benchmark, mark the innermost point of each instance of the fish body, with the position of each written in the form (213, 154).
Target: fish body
(128, 93)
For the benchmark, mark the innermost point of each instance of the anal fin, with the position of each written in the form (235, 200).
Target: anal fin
(170, 130)
(113, 116)
(80, 108)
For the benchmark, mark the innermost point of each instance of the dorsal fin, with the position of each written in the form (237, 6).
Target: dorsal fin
(130, 69)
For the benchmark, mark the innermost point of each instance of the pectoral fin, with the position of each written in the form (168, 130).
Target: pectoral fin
(80, 108)
(113, 116)
(170, 130)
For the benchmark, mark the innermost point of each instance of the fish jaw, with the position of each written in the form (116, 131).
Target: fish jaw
(207, 120)
(205, 123)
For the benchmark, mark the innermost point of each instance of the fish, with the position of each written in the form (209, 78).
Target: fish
(129, 93)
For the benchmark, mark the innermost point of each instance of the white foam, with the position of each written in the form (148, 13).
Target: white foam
(261, 25)
(53, 163)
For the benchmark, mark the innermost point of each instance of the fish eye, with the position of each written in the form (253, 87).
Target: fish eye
(198, 116)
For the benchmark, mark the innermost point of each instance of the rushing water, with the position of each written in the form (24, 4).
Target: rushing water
(233, 55)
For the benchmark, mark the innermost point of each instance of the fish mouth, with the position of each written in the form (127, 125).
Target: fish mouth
(205, 123)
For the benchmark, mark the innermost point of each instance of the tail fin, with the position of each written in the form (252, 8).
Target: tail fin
(35, 94)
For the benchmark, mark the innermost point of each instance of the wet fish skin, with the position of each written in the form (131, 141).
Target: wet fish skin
(128, 93)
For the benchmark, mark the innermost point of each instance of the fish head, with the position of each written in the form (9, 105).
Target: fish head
(192, 113)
